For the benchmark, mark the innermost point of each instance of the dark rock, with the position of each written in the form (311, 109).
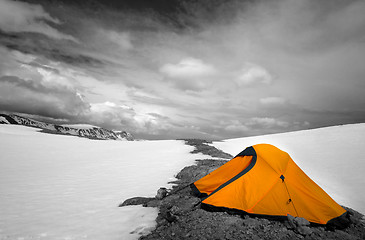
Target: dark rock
(161, 193)
(291, 222)
(233, 221)
(170, 200)
(251, 222)
(175, 210)
(201, 146)
(161, 222)
(304, 230)
(168, 216)
(299, 221)
(152, 203)
(355, 217)
(136, 201)
(299, 224)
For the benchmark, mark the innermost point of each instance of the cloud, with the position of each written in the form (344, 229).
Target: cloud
(122, 117)
(111, 115)
(121, 39)
(272, 101)
(266, 122)
(323, 25)
(249, 126)
(33, 85)
(189, 73)
(36, 86)
(252, 74)
(37, 71)
(37, 97)
(33, 97)
(235, 126)
(16, 16)
(258, 66)
(188, 68)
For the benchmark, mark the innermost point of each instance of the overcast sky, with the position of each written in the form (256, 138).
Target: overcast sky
(167, 69)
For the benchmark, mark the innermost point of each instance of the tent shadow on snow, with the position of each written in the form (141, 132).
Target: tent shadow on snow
(263, 180)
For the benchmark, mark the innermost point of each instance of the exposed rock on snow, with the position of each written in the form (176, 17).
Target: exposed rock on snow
(136, 201)
(202, 146)
(161, 193)
(124, 135)
(299, 225)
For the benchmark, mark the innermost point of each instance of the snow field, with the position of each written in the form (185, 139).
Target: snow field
(64, 187)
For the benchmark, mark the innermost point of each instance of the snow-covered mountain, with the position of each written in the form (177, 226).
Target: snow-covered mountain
(81, 130)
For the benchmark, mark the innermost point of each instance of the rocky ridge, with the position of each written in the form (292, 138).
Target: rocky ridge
(90, 132)
(180, 215)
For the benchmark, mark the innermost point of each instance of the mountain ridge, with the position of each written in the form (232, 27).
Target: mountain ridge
(91, 132)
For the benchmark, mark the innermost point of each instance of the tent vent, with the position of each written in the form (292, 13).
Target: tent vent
(282, 177)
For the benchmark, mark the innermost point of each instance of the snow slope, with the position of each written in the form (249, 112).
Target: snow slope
(334, 157)
(62, 187)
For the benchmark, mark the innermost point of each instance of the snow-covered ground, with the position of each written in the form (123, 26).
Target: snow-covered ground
(64, 187)
(334, 157)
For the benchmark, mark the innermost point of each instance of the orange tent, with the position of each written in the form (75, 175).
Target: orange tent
(264, 180)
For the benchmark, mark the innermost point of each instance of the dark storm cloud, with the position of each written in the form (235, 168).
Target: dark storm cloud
(177, 15)
(73, 59)
(37, 87)
(16, 16)
(54, 101)
(208, 68)
(35, 44)
(32, 97)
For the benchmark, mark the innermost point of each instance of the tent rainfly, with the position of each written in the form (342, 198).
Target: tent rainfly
(263, 180)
